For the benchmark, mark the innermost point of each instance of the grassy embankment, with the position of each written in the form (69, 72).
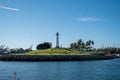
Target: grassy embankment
(57, 51)
(54, 54)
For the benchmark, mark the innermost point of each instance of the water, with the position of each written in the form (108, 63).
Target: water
(78, 70)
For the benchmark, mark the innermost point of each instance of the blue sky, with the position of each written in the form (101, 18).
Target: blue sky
(30, 22)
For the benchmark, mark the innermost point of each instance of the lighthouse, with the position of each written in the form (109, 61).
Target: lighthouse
(57, 40)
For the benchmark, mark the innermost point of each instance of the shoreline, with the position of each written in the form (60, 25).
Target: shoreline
(54, 57)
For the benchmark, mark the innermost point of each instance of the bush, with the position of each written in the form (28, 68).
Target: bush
(44, 45)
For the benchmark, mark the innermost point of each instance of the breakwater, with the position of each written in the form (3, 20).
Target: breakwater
(53, 57)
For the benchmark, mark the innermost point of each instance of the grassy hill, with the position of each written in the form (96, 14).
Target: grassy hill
(54, 51)
(54, 54)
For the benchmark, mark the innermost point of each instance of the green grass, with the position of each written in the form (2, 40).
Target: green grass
(57, 51)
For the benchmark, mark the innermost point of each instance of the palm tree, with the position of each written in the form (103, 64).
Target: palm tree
(92, 42)
(89, 44)
(79, 44)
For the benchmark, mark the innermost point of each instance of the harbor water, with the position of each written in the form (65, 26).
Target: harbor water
(68, 70)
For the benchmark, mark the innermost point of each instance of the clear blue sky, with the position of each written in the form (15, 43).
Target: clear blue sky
(27, 22)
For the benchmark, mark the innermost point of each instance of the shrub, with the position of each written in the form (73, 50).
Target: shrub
(44, 45)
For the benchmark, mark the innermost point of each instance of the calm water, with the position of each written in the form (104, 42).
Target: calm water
(79, 70)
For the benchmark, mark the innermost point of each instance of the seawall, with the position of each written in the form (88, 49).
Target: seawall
(53, 57)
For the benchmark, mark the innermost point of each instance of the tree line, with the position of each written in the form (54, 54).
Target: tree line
(108, 50)
(4, 49)
(81, 45)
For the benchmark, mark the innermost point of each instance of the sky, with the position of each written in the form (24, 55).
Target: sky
(30, 22)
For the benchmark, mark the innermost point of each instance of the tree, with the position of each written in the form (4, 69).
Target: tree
(80, 45)
(79, 42)
(89, 44)
(83, 45)
(72, 45)
(4, 49)
(44, 45)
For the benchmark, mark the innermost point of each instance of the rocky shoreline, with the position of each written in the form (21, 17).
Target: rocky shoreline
(53, 57)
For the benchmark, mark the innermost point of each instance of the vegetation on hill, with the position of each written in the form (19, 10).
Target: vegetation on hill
(80, 45)
(57, 51)
(44, 45)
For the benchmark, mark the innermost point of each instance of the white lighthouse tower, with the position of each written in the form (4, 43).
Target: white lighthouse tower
(57, 40)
